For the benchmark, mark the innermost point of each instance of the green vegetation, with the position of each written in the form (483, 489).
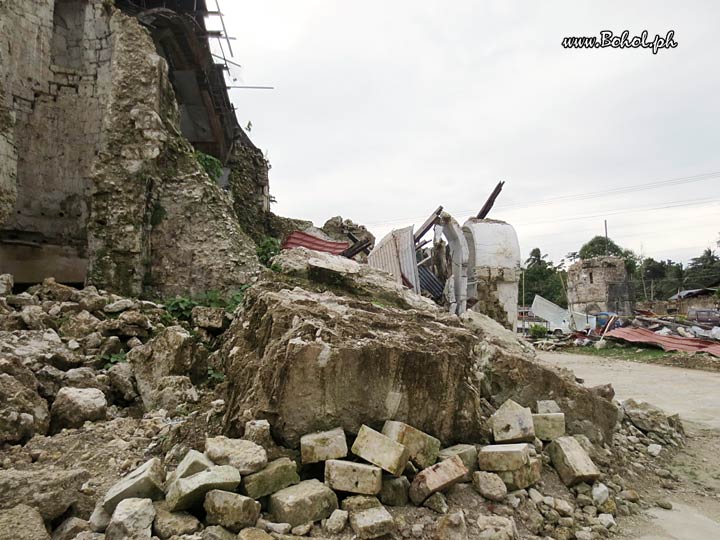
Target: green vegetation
(538, 331)
(213, 166)
(112, 359)
(267, 249)
(214, 376)
(181, 307)
(545, 278)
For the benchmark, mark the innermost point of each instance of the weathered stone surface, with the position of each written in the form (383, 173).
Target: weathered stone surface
(190, 491)
(437, 503)
(309, 500)
(230, 510)
(336, 522)
(122, 382)
(572, 462)
(436, 478)
(22, 523)
(167, 524)
(380, 450)
(193, 462)
(452, 527)
(51, 490)
(22, 411)
(99, 519)
(548, 406)
(394, 491)
(132, 519)
(75, 406)
(246, 456)
(489, 485)
(278, 475)
(524, 477)
(467, 452)
(503, 457)
(360, 502)
(512, 423)
(372, 522)
(648, 418)
(323, 445)
(497, 528)
(360, 376)
(145, 482)
(209, 318)
(549, 426)
(353, 477)
(253, 533)
(423, 448)
(70, 528)
(216, 532)
(6, 283)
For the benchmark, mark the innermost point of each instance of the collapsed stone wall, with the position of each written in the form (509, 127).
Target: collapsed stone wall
(600, 284)
(8, 156)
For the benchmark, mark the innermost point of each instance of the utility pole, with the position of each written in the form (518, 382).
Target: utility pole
(606, 239)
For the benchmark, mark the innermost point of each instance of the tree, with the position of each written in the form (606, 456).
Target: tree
(600, 246)
(544, 278)
(703, 271)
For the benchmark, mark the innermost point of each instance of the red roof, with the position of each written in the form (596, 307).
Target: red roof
(301, 239)
(668, 343)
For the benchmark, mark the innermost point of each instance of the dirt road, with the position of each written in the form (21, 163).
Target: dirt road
(695, 395)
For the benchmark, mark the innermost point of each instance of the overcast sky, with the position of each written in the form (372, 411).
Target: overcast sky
(382, 110)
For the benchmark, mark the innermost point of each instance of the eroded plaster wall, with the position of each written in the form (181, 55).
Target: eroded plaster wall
(600, 284)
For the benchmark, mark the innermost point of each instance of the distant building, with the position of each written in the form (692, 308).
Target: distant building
(600, 284)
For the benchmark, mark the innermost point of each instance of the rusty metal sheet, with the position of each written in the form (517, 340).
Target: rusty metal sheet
(302, 239)
(668, 343)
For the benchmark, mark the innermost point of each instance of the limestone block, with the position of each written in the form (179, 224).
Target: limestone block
(423, 448)
(309, 500)
(145, 482)
(490, 486)
(394, 491)
(503, 457)
(572, 462)
(525, 476)
(208, 317)
(216, 532)
(360, 502)
(187, 492)
(193, 463)
(132, 518)
(168, 524)
(381, 451)
(353, 477)
(437, 503)
(512, 423)
(372, 522)
(469, 455)
(324, 445)
(75, 406)
(70, 528)
(452, 527)
(253, 533)
(497, 528)
(336, 522)
(436, 478)
(278, 475)
(230, 510)
(22, 523)
(549, 426)
(246, 456)
(548, 406)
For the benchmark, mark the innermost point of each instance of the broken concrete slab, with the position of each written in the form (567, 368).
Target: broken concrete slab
(278, 475)
(549, 426)
(381, 451)
(423, 448)
(309, 500)
(394, 491)
(512, 423)
(572, 462)
(230, 510)
(246, 456)
(323, 445)
(467, 452)
(353, 477)
(436, 478)
(524, 477)
(145, 482)
(190, 491)
(503, 457)
(372, 522)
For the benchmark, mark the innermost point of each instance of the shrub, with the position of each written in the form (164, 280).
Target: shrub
(538, 331)
(213, 166)
(267, 249)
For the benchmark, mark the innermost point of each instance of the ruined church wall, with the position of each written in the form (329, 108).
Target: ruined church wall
(600, 284)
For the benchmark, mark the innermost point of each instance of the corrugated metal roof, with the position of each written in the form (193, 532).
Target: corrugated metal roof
(395, 254)
(668, 343)
(301, 239)
(691, 293)
(430, 283)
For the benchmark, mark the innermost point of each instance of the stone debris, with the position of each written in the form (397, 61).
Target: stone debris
(469, 455)
(381, 451)
(490, 486)
(548, 406)
(497, 528)
(512, 423)
(253, 533)
(523, 477)
(187, 492)
(572, 462)
(132, 519)
(22, 523)
(70, 528)
(246, 456)
(323, 445)
(372, 522)
(353, 477)
(549, 426)
(395, 491)
(437, 503)
(310, 500)
(230, 510)
(336, 522)
(193, 462)
(422, 448)
(436, 478)
(278, 475)
(452, 527)
(168, 524)
(503, 457)
(75, 406)
(145, 482)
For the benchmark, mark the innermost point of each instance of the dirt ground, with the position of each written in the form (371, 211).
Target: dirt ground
(695, 395)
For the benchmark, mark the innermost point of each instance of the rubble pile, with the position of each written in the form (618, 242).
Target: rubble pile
(333, 403)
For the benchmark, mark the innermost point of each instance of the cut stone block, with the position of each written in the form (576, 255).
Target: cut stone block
(572, 462)
(548, 406)
(336, 522)
(324, 445)
(230, 510)
(423, 448)
(436, 478)
(278, 475)
(169, 524)
(469, 455)
(310, 500)
(187, 492)
(549, 426)
(132, 518)
(524, 477)
(353, 477)
(360, 502)
(372, 523)
(394, 491)
(246, 456)
(512, 423)
(145, 482)
(193, 463)
(381, 451)
(503, 457)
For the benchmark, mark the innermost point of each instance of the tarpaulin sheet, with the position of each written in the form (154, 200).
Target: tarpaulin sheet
(301, 239)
